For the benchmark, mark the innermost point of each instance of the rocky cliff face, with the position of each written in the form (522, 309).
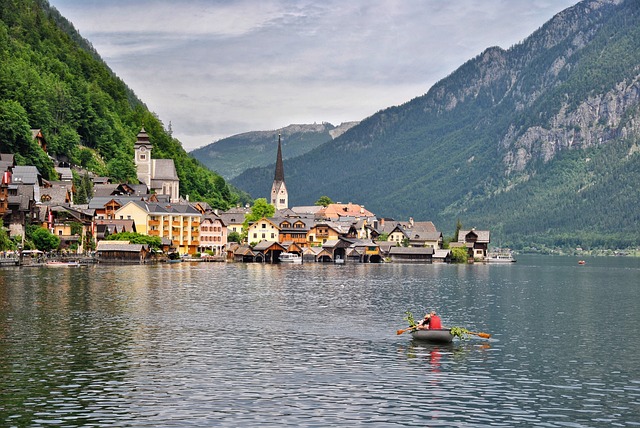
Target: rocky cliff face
(597, 120)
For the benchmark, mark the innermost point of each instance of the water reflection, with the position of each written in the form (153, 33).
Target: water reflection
(241, 345)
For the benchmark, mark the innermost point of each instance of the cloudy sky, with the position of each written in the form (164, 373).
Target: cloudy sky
(215, 68)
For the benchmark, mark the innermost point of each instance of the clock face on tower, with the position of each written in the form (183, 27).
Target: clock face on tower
(143, 148)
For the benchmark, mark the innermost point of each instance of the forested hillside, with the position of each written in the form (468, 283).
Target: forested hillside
(231, 156)
(52, 79)
(538, 143)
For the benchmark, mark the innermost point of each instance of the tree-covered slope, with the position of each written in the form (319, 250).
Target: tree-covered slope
(496, 142)
(231, 156)
(52, 79)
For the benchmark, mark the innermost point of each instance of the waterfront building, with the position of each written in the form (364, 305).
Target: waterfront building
(179, 223)
(213, 235)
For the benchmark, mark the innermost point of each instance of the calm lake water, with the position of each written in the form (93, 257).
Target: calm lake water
(215, 344)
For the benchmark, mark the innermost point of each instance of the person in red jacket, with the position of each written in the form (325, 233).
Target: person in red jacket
(430, 321)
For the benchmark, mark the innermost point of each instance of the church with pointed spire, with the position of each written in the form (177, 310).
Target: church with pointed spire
(279, 195)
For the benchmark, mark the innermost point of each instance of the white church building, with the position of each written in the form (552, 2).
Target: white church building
(158, 174)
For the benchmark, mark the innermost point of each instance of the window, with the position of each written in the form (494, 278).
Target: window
(273, 235)
(264, 226)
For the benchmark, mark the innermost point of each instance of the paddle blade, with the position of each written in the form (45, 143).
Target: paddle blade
(484, 335)
(399, 332)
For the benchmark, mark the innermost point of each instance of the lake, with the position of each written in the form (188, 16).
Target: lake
(215, 344)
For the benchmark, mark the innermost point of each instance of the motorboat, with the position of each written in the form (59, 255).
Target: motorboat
(499, 258)
(290, 258)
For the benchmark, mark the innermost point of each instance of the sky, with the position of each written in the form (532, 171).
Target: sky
(216, 68)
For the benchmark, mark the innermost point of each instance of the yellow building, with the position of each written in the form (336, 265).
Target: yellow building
(263, 230)
(323, 232)
(178, 223)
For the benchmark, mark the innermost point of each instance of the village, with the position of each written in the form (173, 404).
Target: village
(192, 230)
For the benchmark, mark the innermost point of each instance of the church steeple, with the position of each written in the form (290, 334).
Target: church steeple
(279, 175)
(279, 195)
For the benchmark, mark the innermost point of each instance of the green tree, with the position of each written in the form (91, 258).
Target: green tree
(261, 208)
(136, 238)
(234, 237)
(45, 240)
(5, 241)
(324, 201)
(459, 255)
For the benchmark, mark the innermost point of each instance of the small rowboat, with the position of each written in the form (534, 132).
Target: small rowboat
(442, 335)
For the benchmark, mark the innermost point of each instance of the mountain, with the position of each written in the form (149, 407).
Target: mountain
(230, 156)
(538, 143)
(52, 79)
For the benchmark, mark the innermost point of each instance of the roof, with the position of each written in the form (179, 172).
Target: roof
(25, 175)
(483, 235)
(266, 245)
(334, 211)
(120, 225)
(411, 250)
(57, 193)
(120, 246)
(64, 173)
(310, 210)
(307, 222)
(164, 169)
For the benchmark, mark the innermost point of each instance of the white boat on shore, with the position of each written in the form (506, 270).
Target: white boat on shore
(290, 258)
(53, 263)
(500, 258)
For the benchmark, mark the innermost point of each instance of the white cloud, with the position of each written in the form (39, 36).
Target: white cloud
(218, 68)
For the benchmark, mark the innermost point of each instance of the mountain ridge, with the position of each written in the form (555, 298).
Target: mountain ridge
(494, 128)
(232, 155)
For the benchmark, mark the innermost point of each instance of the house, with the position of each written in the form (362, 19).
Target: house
(476, 242)
(263, 229)
(38, 137)
(294, 230)
(73, 226)
(104, 228)
(122, 252)
(416, 234)
(322, 232)
(234, 218)
(56, 192)
(213, 234)
(7, 163)
(21, 208)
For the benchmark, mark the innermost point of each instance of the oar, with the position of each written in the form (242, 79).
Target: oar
(483, 335)
(399, 332)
